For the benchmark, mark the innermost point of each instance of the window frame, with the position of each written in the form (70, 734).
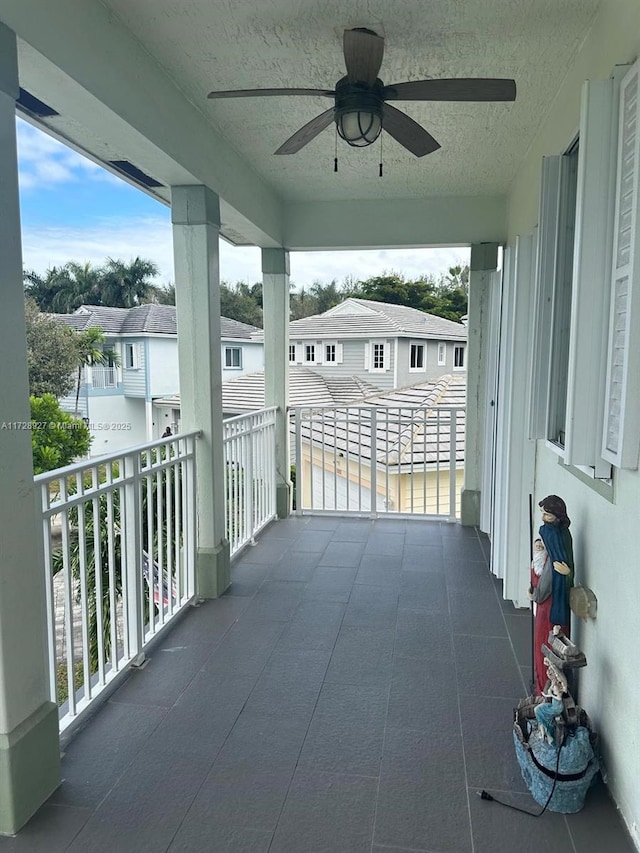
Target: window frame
(420, 365)
(228, 351)
(459, 348)
(378, 352)
(135, 360)
(333, 346)
(442, 353)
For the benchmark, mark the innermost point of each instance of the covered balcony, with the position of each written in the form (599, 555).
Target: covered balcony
(351, 691)
(343, 684)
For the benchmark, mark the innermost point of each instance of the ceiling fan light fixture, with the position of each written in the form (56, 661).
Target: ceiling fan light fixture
(359, 128)
(358, 112)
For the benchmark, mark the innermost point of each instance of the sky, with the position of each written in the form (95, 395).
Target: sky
(74, 210)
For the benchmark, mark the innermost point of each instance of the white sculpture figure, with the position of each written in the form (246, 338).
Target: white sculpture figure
(547, 711)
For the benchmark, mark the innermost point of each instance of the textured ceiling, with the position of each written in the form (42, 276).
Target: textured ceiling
(218, 44)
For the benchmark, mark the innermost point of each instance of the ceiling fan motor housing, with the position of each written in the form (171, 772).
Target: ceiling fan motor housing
(358, 111)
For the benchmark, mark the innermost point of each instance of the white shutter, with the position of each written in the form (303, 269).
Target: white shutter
(319, 353)
(622, 407)
(367, 356)
(543, 285)
(299, 352)
(339, 353)
(590, 292)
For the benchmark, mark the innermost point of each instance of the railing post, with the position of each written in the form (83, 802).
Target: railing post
(132, 559)
(453, 453)
(248, 485)
(299, 464)
(374, 463)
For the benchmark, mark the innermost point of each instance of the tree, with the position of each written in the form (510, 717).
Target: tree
(240, 302)
(63, 289)
(57, 438)
(125, 285)
(43, 288)
(458, 278)
(51, 353)
(162, 295)
(390, 288)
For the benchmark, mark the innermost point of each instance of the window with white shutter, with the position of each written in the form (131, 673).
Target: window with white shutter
(622, 408)
(592, 274)
(376, 356)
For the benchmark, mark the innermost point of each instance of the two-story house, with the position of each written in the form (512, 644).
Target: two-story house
(391, 346)
(129, 399)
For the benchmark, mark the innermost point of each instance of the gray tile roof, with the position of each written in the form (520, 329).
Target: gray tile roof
(143, 319)
(306, 388)
(413, 426)
(357, 318)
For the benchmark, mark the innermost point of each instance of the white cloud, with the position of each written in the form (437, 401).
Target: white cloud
(150, 237)
(45, 162)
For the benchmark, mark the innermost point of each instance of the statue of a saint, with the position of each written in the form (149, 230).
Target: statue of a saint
(551, 579)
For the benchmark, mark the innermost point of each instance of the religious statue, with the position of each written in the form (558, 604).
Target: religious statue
(551, 580)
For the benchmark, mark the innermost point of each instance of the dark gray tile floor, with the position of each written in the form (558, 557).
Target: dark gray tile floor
(350, 693)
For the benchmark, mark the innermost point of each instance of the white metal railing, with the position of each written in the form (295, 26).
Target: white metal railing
(119, 540)
(103, 376)
(250, 475)
(379, 460)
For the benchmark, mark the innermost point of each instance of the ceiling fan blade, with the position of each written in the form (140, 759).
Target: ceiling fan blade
(408, 132)
(462, 89)
(303, 136)
(260, 93)
(363, 52)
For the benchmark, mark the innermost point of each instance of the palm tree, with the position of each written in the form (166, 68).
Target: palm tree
(62, 289)
(78, 285)
(126, 285)
(43, 288)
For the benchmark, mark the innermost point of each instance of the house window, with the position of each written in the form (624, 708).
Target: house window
(458, 356)
(233, 357)
(416, 360)
(310, 353)
(378, 357)
(329, 353)
(442, 353)
(292, 353)
(131, 356)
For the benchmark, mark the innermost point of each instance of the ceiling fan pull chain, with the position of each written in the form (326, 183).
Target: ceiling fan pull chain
(335, 159)
(380, 170)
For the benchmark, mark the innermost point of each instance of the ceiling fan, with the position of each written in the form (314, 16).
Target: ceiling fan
(361, 109)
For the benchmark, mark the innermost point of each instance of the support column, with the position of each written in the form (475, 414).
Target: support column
(29, 744)
(484, 261)
(275, 305)
(195, 214)
(148, 418)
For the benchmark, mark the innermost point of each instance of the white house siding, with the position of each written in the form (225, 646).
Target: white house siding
(115, 423)
(68, 403)
(134, 379)
(252, 358)
(607, 548)
(432, 370)
(163, 366)
(353, 361)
